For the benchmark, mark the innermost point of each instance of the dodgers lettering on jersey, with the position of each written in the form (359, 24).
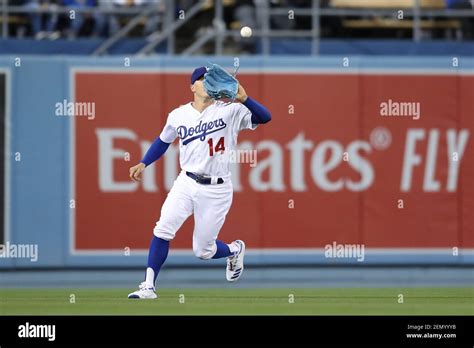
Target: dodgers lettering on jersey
(200, 130)
(207, 138)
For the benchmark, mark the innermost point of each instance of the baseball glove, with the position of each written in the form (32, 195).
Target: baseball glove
(219, 83)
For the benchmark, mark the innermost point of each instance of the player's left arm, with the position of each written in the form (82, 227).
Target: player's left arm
(260, 113)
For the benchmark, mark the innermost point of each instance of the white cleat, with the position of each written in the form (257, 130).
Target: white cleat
(143, 292)
(235, 263)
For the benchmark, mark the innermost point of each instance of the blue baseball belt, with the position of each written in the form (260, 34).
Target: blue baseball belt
(203, 180)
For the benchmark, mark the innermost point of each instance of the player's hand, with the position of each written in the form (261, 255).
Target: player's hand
(136, 171)
(241, 94)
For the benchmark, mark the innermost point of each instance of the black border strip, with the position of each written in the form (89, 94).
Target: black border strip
(227, 330)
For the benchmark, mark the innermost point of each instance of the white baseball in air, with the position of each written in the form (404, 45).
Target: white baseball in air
(246, 32)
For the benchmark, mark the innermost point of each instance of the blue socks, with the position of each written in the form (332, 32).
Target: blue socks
(159, 252)
(156, 258)
(222, 250)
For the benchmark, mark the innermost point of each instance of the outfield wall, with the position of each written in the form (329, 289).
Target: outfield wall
(331, 169)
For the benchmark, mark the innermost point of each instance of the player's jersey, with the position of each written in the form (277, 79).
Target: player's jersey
(206, 139)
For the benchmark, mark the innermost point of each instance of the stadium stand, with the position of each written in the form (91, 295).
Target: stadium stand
(208, 27)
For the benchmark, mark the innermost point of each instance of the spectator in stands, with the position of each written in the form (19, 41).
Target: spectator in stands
(245, 15)
(459, 4)
(43, 25)
(20, 22)
(331, 26)
(77, 24)
(467, 24)
(107, 24)
(282, 22)
(115, 20)
(154, 19)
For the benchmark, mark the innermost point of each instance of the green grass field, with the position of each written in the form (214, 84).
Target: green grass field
(416, 301)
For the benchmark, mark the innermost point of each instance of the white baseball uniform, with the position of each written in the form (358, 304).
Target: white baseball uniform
(205, 141)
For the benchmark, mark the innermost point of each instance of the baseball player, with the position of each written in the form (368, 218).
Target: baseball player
(207, 130)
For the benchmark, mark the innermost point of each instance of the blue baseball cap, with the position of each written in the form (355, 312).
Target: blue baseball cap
(198, 73)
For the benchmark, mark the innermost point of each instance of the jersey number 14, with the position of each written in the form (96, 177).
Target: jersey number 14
(219, 146)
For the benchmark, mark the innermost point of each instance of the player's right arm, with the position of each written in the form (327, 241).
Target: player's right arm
(156, 150)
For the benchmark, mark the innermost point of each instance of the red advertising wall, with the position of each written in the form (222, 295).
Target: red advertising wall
(331, 166)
